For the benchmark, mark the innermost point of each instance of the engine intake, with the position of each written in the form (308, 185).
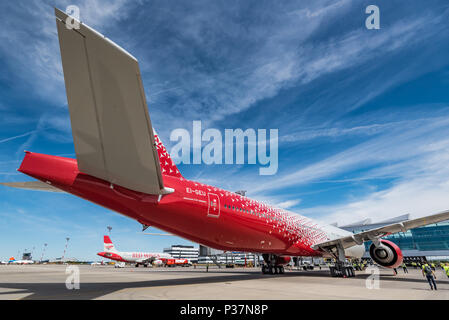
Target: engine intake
(387, 254)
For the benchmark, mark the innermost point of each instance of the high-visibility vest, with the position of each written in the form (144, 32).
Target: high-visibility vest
(446, 269)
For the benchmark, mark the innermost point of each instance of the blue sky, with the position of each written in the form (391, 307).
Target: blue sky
(363, 115)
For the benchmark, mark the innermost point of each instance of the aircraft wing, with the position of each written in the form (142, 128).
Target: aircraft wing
(111, 126)
(359, 238)
(32, 185)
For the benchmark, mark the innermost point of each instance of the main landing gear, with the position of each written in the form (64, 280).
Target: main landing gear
(341, 268)
(145, 265)
(272, 269)
(270, 266)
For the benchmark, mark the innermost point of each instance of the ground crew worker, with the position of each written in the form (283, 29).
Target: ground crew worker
(446, 269)
(430, 275)
(432, 265)
(414, 264)
(404, 267)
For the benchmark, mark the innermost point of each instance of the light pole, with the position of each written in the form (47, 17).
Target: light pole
(43, 251)
(65, 249)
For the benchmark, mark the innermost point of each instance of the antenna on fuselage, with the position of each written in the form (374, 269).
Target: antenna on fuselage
(241, 192)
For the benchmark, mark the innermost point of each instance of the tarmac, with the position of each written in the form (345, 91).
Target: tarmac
(106, 282)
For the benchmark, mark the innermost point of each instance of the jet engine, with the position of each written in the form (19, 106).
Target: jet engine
(158, 262)
(387, 254)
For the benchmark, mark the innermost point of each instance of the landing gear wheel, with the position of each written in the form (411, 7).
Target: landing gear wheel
(281, 270)
(264, 269)
(272, 270)
(137, 265)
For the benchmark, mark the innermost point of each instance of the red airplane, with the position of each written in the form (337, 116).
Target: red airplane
(122, 165)
(137, 258)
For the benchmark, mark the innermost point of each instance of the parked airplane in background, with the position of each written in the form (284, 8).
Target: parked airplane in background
(137, 258)
(122, 165)
(12, 260)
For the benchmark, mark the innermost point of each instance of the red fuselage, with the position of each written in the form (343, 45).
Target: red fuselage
(208, 215)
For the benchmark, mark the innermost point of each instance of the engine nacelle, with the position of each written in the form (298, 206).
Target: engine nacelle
(158, 262)
(283, 260)
(387, 254)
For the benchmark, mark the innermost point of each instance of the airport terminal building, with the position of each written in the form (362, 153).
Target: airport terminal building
(431, 241)
(183, 252)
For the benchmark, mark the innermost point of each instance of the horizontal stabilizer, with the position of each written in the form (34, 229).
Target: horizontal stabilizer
(111, 126)
(32, 185)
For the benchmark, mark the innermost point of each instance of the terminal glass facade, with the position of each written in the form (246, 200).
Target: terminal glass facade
(432, 239)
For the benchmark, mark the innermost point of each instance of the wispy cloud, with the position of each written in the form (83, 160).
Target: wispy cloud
(282, 61)
(404, 144)
(29, 41)
(417, 196)
(288, 204)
